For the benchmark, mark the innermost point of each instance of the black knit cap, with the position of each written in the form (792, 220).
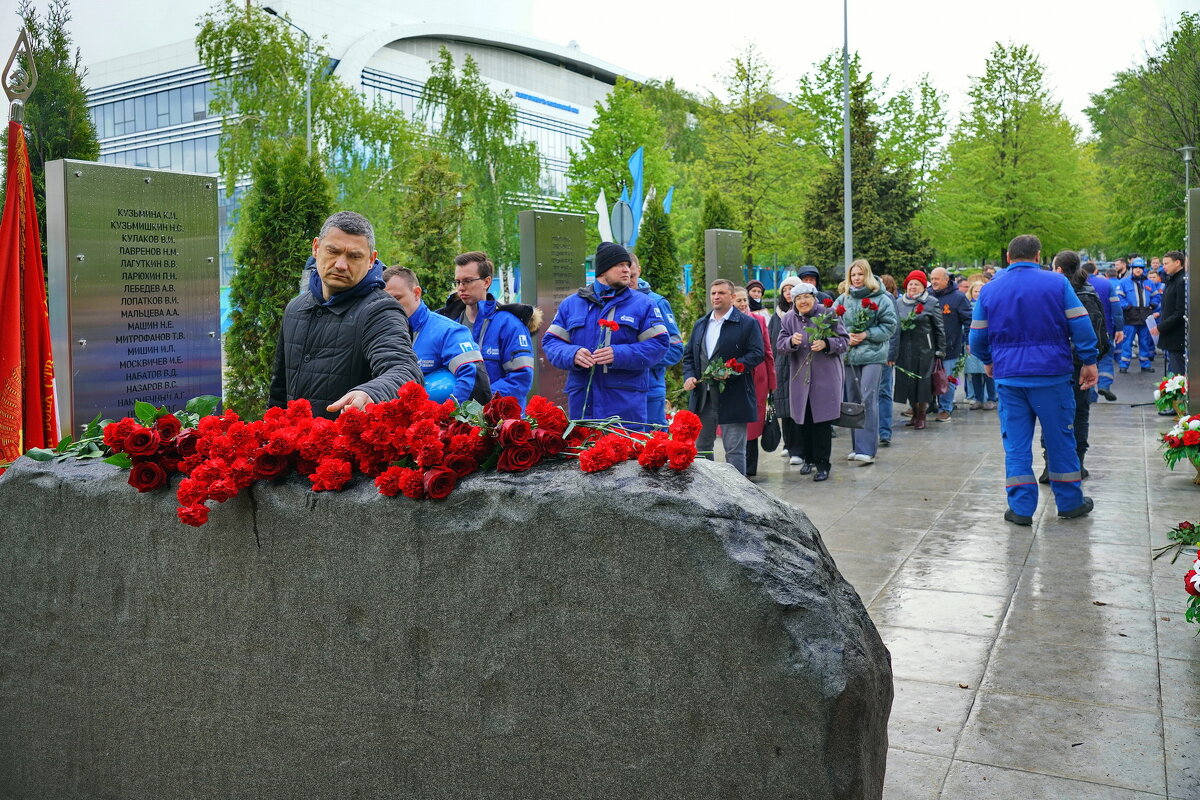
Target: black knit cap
(608, 255)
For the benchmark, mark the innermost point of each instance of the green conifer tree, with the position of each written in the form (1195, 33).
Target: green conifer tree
(656, 251)
(430, 216)
(283, 211)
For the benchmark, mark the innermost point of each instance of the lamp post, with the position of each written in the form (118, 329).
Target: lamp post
(847, 210)
(307, 77)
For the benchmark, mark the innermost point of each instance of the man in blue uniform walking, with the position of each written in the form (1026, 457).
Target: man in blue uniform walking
(656, 399)
(1138, 300)
(1022, 329)
(1115, 323)
(607, 338)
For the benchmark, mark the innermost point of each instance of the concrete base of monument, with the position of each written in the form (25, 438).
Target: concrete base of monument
(545, 635)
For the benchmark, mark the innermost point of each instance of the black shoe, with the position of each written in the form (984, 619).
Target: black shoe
(885, 442)
(1144, 369)
(1124, 369)
(1083, 473)
(806, 468)
(1082, 511)
(822, 475)
(1017, 519)
(1108, 395)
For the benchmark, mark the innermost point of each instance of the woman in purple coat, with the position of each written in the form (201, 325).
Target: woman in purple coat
(815, 374)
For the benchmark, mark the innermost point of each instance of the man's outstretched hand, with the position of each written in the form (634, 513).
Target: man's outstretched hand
(351, 399)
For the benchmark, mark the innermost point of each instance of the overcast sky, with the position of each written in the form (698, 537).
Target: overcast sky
(1081, 42)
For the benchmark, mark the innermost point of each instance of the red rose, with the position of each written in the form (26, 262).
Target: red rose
(1189, 583)
(550, 442)
(866, 302)
(461, 464)
(874, 306)
(439, 482)
(501, 407)
(195, 515)
(735, 366)
(186, 441)
(827, 301)
(840, 310)
(168, 427)
(518, 459)
(268, 465)
(920, 308)
(514, 432)
(147, 475)
(1191, 438)
(1186, 526)
(170, 459)
(142, 442)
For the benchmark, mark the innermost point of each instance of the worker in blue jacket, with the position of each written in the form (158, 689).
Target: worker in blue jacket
(656, 398)
(504, 333)
(1023, 327)
(1138, 301)
(1114, 322)
(608, 371)
(438, 342)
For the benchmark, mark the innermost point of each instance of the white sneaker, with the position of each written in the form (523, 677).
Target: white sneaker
(852, 456)
(795, 461)
(864, 458)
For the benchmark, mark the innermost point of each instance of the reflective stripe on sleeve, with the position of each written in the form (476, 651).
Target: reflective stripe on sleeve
(1066, 477)
(560, 332)
(1077, 311)
(520, 362)
(463, 358)
(978, 324)
(650, 333)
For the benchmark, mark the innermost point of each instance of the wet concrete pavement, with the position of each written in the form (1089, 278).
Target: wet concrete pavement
(1045, 662)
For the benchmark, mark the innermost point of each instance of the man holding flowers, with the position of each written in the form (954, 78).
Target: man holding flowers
(607, 338)
(718, 368)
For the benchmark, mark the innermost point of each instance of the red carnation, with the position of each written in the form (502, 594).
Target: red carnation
(827, 302)
(546, 415)
(654, 455)
(549, 442)
(685, 426)
(147, 475)
(439, 482)
(514, 432)
(115, 433)
(680, 455)
(501, 407)
(331, 475)
(1191, 438)
(195, 515)
(1189, 582)
(169, 426)
(461, 464)
(519, 458)
(142, 442)
(840, 310)
(920, 308)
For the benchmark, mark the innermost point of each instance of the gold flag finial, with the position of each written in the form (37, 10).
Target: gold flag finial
(19, 78)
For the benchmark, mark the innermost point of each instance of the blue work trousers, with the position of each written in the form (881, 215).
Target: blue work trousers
(1145, 346)
(1054, 407)
(656, 411)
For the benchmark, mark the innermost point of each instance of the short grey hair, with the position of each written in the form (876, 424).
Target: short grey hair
(351, 223)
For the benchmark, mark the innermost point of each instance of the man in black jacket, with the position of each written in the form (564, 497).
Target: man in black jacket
(956, 321)
(1171, 314)
(344, 342)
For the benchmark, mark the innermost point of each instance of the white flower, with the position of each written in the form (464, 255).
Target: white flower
(1194, 425)
(1157, 394)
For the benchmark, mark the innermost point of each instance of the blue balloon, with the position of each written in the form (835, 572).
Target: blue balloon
(439, 384)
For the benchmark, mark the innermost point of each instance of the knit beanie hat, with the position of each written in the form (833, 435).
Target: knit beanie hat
(608, 255)
(916, 275)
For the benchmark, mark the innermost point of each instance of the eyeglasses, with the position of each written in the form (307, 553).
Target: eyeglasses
(465, 282)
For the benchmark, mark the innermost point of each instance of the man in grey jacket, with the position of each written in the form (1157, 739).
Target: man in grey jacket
(344, 342)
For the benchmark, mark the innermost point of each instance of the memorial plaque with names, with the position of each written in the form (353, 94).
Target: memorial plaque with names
(553, 249)
(723, 257)
(133, 265)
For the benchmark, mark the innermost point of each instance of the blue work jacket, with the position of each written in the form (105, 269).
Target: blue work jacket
(658, 374)
(439, 343)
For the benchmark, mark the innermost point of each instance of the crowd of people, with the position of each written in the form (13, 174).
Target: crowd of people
(1026, 340)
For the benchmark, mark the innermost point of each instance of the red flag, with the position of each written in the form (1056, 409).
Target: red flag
(27, 415)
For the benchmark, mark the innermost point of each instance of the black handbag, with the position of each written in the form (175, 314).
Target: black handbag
(854, 415)
(771, 432)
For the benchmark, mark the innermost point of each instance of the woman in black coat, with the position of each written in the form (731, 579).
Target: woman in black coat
(922, 339)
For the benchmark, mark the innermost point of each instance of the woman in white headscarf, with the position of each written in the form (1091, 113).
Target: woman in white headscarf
(788, 427)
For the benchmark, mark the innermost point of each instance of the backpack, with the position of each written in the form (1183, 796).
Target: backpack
(1091, 301)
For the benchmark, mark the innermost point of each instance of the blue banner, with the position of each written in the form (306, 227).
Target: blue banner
(671, 196)
(637, 163)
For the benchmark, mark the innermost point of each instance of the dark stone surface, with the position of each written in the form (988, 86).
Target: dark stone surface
(551, 635)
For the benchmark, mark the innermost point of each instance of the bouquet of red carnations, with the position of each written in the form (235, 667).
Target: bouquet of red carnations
(719, 371)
